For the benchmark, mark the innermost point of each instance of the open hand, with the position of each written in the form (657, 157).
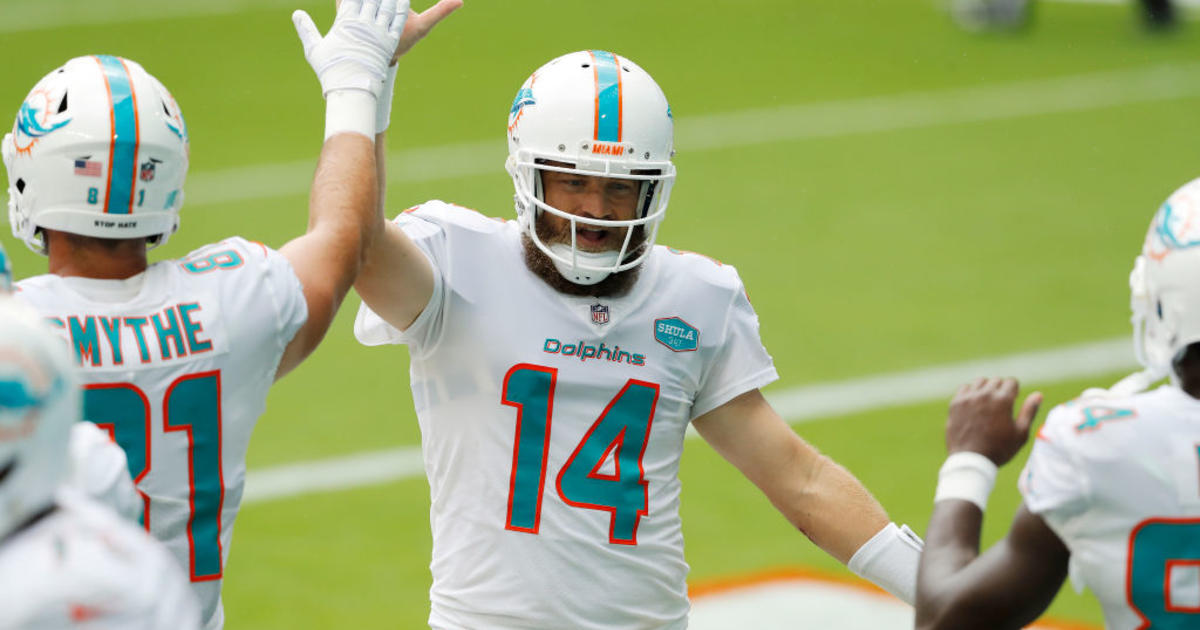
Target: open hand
(981, 419)
(356, 51)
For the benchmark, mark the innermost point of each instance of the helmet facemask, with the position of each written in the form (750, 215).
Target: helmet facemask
(578, 264)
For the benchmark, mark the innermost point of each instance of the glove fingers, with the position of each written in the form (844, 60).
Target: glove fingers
(387, 13)
(349, 7)
(370, 10)
(309, 35)
(402, 11)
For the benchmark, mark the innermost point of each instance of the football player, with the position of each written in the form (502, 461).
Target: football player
(65, 562)
(177, 357)
(557, 361)
(1111, 489)
(96, 466)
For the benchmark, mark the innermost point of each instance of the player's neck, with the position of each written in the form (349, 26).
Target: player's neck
(75, 257)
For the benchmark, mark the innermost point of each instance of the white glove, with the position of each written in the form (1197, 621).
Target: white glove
(356, 52)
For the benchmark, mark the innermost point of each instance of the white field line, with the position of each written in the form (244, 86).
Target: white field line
(796, 404)
(17, 17)
(1073, 93)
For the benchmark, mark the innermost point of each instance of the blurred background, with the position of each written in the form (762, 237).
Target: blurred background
(906, 200)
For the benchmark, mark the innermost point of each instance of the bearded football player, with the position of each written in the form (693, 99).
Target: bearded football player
(557, 360)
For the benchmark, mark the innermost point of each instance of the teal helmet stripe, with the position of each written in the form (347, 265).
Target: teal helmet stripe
(122, 173)
(608, 96)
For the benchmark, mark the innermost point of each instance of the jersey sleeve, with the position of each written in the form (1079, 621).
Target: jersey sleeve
(1053, 482)
(286, 294)
(740, 363)
(98, 469)
(371, 330)
(265, 277)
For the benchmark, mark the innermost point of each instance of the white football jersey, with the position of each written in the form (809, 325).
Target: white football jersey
(552, 426)
(98, 468)
(176, 363)
(1118, 479)
(82, 566)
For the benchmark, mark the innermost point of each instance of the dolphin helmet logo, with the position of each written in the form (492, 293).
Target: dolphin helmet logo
(524, 97)
(39, 116)
(1172, 230)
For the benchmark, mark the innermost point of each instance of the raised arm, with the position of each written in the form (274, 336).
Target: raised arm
(819, 497)
(351, 62)
(1016, 579)
(396, 280)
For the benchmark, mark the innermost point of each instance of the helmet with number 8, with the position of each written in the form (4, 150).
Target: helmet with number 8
(1165, 283)
(598, 114)
(99, 149)
(39, 401)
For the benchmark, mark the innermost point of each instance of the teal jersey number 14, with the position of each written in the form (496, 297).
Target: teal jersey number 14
(620, 433)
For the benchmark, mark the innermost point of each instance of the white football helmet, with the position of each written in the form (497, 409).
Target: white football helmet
(1165, 283)
(603, 116)
(100, 149)
(39, 402)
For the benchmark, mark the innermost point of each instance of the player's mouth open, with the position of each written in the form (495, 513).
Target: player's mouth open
(591, 237)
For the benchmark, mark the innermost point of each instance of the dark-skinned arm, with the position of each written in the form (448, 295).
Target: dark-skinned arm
(1015, 580)
(1008, 586)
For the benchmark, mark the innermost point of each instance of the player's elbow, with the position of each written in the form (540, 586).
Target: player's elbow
(945, 609)
(927, 616)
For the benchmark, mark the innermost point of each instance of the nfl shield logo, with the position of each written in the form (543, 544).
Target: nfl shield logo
(599, 314)
(148, 168)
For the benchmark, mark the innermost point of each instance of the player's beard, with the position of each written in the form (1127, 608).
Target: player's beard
(537, 261)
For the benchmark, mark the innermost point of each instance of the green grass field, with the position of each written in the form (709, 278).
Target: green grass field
(972, 220)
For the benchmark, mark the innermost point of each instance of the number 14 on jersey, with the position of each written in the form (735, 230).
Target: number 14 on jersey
(620, 433)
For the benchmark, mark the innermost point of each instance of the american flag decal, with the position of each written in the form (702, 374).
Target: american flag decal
(88, 168)
(599, 314)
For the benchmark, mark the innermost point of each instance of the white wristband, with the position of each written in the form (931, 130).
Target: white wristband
(383, 111)
(967, 476)
(350, 111)
(890, 559)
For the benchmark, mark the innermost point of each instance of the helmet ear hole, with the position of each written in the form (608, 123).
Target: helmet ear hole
(20, 185)
(62, 106)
